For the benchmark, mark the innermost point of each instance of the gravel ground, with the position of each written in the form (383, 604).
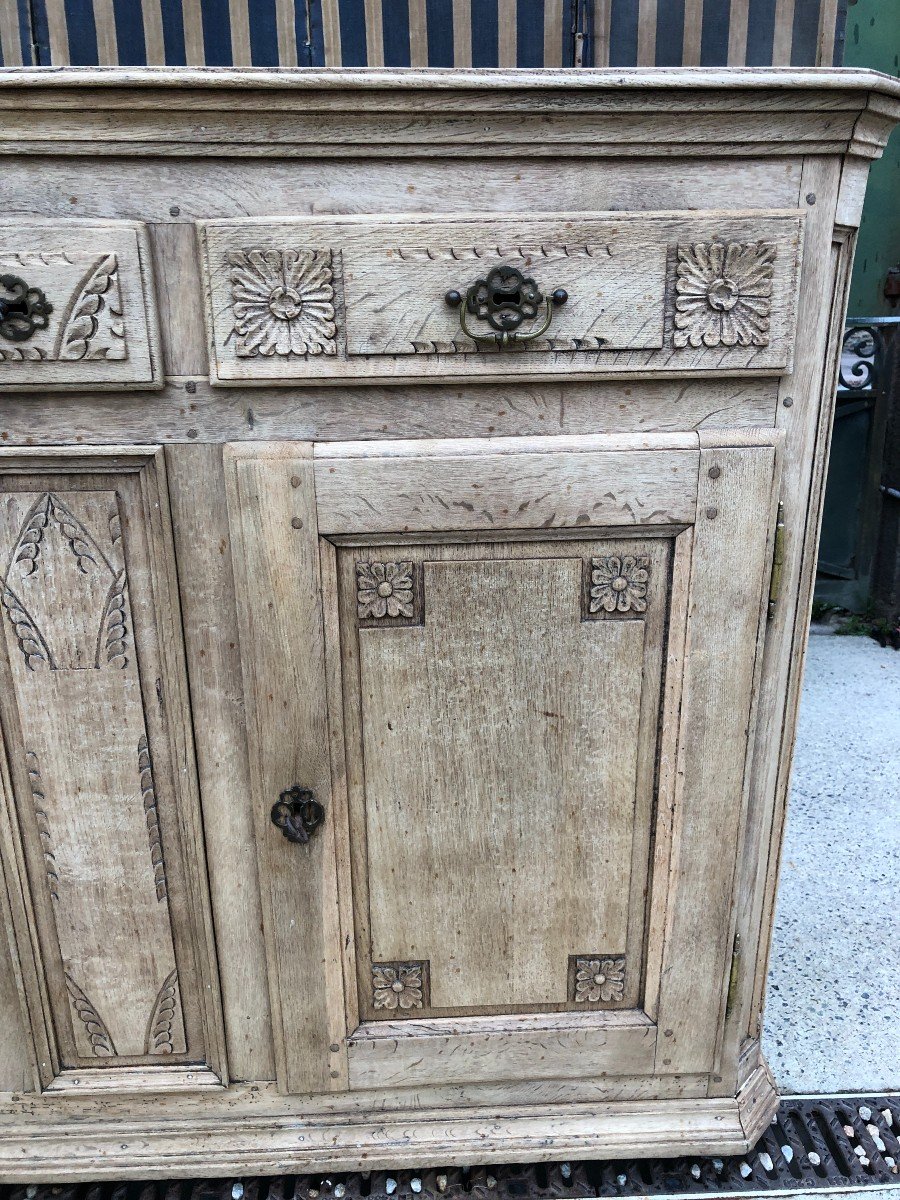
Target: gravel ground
(832, 1020)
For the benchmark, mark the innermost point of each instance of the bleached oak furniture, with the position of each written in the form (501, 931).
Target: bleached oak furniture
(410, 490)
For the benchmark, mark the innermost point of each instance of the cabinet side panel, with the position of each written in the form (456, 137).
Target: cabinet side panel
(807, 425)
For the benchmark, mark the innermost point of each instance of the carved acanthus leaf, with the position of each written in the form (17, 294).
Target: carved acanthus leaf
(21, 354)
(502, 253)
(98, 1034)
(42, 821)
(28, 547)
(81, 543)
(97, 310)
(148, 795)
(114, 627)
(31, 642)
(160, 1038)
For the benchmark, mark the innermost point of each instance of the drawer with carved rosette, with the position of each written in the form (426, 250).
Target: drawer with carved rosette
(77, 306)
(382, 298)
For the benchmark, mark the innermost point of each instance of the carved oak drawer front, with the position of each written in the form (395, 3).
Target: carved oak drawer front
(77, 306)
(382, 298)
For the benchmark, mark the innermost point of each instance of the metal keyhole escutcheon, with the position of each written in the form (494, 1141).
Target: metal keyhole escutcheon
(23, 309)
(298, 814)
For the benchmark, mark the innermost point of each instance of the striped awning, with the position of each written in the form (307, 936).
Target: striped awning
(419, 33)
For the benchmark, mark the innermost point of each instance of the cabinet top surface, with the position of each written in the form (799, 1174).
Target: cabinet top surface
(457, 80)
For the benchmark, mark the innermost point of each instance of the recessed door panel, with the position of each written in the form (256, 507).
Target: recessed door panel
(506, 762)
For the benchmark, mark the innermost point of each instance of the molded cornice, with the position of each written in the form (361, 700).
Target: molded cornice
(451, 113)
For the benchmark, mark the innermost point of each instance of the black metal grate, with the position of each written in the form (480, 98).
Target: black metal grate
(811, 1144)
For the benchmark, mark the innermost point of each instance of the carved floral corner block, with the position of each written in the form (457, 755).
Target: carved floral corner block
(618, 584)
(386, 592)
(283, 302)
(598, 979)
(399, 986)
(723, 294)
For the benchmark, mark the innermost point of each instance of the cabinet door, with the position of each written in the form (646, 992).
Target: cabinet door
(537, 660)
(102, 847)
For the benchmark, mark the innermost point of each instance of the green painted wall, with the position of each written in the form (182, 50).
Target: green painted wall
(873, 40)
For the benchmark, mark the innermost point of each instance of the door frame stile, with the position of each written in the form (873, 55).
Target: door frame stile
(340, 801)
(271, 501)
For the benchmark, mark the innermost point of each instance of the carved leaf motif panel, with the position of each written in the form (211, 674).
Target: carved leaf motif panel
(84, 321)
(69, 634)
(80, 307)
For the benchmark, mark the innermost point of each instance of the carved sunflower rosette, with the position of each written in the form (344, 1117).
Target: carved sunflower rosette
(723, 294)
(282, 302)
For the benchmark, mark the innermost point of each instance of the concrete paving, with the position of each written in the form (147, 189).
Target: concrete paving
(832, 1019)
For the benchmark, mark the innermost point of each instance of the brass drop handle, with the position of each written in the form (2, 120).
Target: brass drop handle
(298, 814)
(505, 298)
(23, 309)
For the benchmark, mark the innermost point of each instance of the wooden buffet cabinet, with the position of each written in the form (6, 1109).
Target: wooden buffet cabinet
(409, 493)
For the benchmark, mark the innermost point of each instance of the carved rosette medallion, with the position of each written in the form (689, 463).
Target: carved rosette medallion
(598, 980)
(283, 302)
(384, 589)
(618, 584)
(398, 987)
(723, 294)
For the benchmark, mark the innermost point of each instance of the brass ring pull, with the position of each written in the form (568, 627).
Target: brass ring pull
(505, 298)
